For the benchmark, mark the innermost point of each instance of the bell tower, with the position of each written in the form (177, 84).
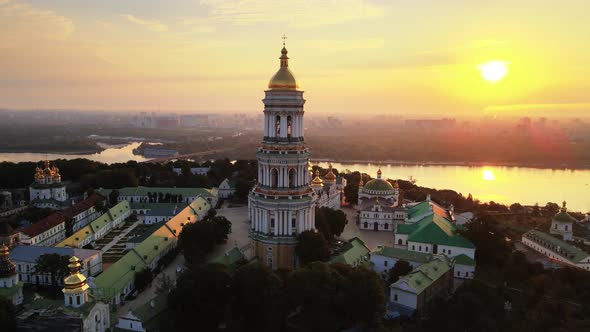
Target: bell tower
(281, 205)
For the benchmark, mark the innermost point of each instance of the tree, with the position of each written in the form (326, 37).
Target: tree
(550, 209)
(69, 224)
(401, 268)
(489, 239)
(201, 297)
(351, 193)
(222, 228)
(516, 208)
(332, 297)
(259, 298)
(114, 197)
(243, 187)
(7, 315)
(330, 222)
(53, 264)
(164, 284)
(143, 278)
(312, 246)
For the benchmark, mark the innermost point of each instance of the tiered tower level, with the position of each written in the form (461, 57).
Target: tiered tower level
(281, 205)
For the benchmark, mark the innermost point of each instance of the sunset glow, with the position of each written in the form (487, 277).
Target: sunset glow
(186, 55)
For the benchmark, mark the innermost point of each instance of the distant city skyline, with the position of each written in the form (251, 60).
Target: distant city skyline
(374, 57)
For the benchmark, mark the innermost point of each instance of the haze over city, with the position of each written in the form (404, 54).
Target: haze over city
(419, 57)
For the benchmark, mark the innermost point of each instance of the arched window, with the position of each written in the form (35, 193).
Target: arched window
(400, 242)
(274, 178)
(366, 224)
(292, 178)
(386, 226)
(289, 127)
(278, 126)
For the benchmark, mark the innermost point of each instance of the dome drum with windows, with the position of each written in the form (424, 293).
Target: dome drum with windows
(378, 186)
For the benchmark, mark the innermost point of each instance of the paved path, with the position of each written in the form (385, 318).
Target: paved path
(239, 235)
(118, 237)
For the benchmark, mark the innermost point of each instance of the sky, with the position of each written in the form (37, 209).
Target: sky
(417, 57)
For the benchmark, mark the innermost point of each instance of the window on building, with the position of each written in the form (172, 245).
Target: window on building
(386, 226)
(413, 247)
(384, 263)
(395, 297)
(400, 242)
(71, 302)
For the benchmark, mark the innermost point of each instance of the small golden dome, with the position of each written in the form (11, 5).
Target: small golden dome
(283, 79)
(76, 281)
(330, 176)
(317, 181)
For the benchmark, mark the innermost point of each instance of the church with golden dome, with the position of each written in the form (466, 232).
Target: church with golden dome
(48, 191)
(379, 204)
(329, 189)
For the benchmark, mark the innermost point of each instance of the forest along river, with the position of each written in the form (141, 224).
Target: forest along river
(504, 185)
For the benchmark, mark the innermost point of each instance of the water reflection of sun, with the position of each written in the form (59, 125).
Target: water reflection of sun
(488, 175)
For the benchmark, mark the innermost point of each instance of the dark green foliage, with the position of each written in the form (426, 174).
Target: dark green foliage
(53, 264)
(489, 239)
(351, 193)
(312, 246)
(143, 279)
(7, 315)
(113, 197)
(198, 239)
(330, 222)
(258, 298)
(200, 300)
(334, 297)
(401, 268)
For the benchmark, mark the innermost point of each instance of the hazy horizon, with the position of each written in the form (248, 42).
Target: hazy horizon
(419, 59)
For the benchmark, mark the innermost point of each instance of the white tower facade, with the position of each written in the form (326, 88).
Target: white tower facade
(281, 205)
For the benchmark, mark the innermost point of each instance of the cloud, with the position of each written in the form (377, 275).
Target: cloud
(304, 13)
(153, 25)
(21, 21)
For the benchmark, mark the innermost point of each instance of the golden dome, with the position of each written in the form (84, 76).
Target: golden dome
(76, 281)
(330, 177)
(283, 79)
(317, 181)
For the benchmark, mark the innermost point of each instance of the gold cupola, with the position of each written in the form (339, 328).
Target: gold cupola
(76, 282)
(317, 181)
(283, 79)
(330, 176)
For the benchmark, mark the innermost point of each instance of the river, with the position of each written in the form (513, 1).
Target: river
(488, 183)
(110, 155)
(505, 185)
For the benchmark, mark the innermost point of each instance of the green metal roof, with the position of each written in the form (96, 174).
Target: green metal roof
(563, 216)
(153, 246)
(120, 274)
(378, 185)
(418, 209)
(434, 229)
(424, 275)
(565, 249)
(9, 292)
(354, 251)
(153, 206)
(229, 258)
(464, 260)
(149, 313)
(112, 214)
(404, 254)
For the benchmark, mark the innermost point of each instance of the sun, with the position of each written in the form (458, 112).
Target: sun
(488, 175)
(493, 71)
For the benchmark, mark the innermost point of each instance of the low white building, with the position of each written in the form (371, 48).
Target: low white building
(556, 250)
(194, 170)
(25, 258)
(384, 258)
(227, 188)
(416, 290)
(144, 318)
(160, 194)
